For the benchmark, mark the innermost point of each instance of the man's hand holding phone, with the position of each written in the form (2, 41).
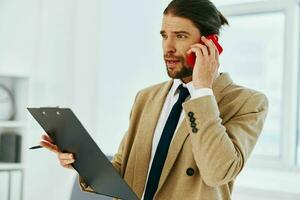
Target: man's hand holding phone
(65, 159)
(206, 62)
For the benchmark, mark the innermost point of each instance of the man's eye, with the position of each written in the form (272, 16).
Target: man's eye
(164, 36)
(181, 36)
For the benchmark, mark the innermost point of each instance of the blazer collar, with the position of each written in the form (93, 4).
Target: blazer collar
(222, 81)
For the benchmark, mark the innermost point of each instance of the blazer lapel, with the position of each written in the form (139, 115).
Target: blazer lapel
(144, 146)
(174, 149)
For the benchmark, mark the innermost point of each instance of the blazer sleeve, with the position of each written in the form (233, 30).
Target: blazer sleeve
(117, 159)
(221, 150)
(84, 186)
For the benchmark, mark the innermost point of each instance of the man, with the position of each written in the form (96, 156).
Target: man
(190, 137)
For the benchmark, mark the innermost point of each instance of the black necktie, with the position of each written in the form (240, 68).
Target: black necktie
(163, 145)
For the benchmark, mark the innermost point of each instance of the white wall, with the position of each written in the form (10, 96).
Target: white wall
(17, 35)
(92, 56)
(130, 59)
(63, 74)
(52, 85)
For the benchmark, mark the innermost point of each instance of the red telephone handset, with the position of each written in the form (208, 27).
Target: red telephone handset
(191, 58)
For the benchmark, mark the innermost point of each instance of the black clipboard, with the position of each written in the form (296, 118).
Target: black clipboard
(67, 132)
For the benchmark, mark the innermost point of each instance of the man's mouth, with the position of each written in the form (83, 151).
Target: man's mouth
(172, 62)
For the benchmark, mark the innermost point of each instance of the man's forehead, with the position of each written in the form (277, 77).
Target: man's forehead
(173, 23)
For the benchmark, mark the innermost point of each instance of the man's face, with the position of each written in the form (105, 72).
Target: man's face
(178, 34)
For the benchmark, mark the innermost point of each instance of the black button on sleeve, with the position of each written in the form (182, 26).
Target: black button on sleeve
(190, 171)
(194, 130)
(193, 125)
(190, 114)
(192, 119)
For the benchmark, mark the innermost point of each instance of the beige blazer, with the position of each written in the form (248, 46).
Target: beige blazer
(203, 159)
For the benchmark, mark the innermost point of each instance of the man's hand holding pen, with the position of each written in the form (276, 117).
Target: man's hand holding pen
(65, 159)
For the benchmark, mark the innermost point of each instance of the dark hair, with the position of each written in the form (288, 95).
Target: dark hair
(203, 13)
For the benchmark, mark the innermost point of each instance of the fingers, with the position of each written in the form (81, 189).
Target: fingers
(50, 146)
(66, 162)
(204, 51)
(47, 142)
(196, 50)
(217, 55)
(68, 166)
(201, 53)
(47, 138)
(65, 156)
(208, 50)
(210, 45)
(66, 159)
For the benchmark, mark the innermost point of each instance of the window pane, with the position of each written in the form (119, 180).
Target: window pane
(253, 55)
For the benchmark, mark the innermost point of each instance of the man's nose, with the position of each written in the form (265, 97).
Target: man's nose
(169, 46)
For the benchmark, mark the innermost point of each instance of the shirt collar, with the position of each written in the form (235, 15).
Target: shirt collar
(189, 86)
(177, 82)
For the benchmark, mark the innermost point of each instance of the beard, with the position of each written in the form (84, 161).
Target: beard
(181, 71)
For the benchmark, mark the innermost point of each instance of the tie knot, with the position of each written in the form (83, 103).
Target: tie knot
(183, 93)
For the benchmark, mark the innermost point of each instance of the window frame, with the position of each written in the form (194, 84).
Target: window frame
(298, 100)
(282, 169)
(289, 128)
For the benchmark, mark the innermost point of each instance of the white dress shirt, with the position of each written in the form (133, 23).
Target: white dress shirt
(171, 99)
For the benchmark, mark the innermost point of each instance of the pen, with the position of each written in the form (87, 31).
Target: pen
(36, 147)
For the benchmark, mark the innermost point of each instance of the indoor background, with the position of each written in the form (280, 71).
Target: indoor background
(95, 55)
